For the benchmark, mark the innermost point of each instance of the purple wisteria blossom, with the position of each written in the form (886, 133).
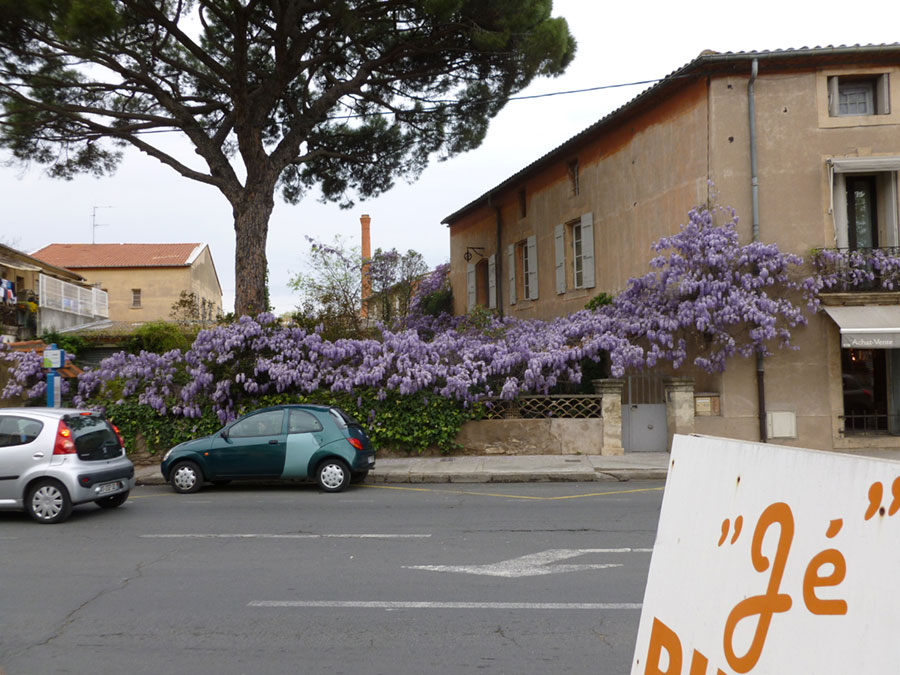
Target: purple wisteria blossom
(706, 298)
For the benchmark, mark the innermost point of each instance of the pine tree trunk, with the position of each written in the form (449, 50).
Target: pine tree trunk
(251, 228)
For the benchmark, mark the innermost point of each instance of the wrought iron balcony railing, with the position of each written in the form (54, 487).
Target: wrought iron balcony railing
(862, 269)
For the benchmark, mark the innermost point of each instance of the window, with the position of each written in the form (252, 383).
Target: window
(523, 204)
(525, 266)
(522, 265)
(573, 177)
(577, 256)
(18, 430)
(865, 202)
(302, 422)
(263, 424)
(135, 297)
(574, 244)
(858, 95)
(871, 382)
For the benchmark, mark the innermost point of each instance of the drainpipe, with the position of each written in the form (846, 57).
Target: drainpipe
(498, 276)
(754, 196)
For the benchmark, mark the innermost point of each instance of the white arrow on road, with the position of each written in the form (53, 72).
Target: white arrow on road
(534, 564)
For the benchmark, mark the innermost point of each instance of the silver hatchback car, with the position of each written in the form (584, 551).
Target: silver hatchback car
(54, 458)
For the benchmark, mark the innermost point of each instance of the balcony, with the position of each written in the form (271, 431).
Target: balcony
(843, 270)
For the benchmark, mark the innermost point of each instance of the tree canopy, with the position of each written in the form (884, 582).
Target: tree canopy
(286, 95)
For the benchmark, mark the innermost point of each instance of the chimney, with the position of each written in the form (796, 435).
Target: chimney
(364, 222)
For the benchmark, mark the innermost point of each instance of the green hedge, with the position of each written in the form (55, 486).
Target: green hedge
(410, 423)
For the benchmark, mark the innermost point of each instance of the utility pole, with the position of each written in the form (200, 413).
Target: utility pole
(95, 224)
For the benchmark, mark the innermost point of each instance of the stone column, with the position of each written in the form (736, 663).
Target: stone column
(679, 406)
(610, 391)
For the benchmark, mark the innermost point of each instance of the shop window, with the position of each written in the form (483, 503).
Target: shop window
(871, 383)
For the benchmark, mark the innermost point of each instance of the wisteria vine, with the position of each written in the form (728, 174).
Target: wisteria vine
(706, 296)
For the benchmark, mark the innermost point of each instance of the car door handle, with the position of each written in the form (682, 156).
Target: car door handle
(38, 455)
(273, 442)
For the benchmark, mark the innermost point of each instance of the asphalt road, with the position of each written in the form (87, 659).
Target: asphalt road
(518, 578)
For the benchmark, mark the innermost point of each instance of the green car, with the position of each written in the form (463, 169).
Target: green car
(286, 441)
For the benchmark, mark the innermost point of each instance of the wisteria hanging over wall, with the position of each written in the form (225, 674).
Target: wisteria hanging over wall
(706, 299)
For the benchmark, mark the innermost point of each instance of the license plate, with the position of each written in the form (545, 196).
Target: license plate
(109, 487)
(371, 460)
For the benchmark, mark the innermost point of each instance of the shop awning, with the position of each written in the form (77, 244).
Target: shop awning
(868, 326)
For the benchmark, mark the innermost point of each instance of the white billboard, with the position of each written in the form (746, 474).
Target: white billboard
(773, 560)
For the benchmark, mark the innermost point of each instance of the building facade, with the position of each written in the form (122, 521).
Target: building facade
(144, 281)
(804, 144)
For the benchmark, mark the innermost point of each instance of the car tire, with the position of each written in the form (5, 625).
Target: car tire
(48, 502)
(186, 477)
(358, 476)
(333, 475)
(113, 501)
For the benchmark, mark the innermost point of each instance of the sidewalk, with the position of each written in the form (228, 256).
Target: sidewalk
(515, 468)
(498, 469)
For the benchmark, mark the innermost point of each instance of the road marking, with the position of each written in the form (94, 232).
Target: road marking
(508, 496)
(354, 604)
(533, 564)
(285, 536)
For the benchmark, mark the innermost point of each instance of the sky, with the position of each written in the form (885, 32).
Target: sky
(618, 44)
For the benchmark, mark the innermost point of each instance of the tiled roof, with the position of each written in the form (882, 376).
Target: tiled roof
(707, 63)
(84, 256)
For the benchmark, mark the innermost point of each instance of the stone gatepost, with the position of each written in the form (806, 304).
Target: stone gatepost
(610, 391)
(679, 406)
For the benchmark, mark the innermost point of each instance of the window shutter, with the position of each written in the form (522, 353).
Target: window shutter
(883, 95)
(587, 249)
(531, 243)
(492, 281)
(470, 287)
(559, 241)
(511, 269)
(833, 98)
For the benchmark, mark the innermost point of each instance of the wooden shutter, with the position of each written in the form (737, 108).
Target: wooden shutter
(587, 249)
(559, 241)
(470, 287)
(511, 272)
(492, 281)
(531, 243)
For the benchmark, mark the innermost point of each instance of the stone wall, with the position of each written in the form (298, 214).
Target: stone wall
(533, 437)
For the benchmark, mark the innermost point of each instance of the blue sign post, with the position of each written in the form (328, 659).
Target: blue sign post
(54, 358)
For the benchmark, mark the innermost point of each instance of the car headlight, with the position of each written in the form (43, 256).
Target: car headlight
(169, 452)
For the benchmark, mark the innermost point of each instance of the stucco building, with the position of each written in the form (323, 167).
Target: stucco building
(144, 281)
(804, 144)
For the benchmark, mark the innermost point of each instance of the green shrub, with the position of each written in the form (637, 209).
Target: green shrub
(158, 337)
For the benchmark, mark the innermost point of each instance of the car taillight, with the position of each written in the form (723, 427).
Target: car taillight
(118, 435)
(356, 443)
(64, 444)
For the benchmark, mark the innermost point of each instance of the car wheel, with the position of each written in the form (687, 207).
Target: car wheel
(48, 502)
(186, 477)
(112, 501)
(333, 475)
(358, 476)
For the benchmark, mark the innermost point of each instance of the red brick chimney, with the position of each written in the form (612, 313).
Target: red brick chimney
(365, 221)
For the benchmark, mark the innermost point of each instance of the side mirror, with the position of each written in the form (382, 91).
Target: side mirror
(224, 434)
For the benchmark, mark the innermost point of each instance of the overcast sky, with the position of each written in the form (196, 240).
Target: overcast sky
(618, 43)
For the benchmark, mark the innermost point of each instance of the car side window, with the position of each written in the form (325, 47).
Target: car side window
(18, 430)
(302, 422)
(263, 424)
